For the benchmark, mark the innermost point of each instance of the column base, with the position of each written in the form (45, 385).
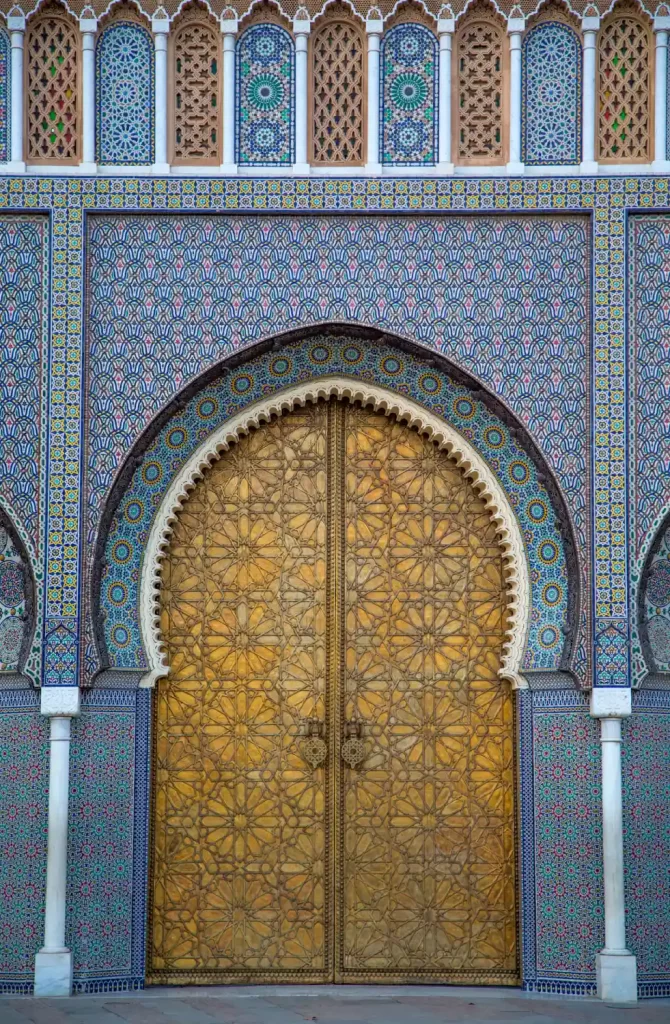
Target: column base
(375, 168)
(160, 168)
(588, 167)
(53, 973)
(301, 169)
(88, 168)
(16, 167)
(661, 166)
(229, 168)
(445, 168)
(515, 168)
(616, 976)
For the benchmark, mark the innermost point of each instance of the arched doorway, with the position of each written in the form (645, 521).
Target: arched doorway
(334, 749)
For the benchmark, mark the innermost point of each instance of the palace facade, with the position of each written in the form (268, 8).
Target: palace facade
(335, 495)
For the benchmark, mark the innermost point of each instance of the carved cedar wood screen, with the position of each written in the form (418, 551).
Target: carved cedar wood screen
(52, 88)
(196, 90)
(338, 93)
(334, 791)
(479, 104)
(624, 84)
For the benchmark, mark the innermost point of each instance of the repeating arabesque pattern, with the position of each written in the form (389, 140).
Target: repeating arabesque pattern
(294, 364)
(649, 460)
(408, 120)
(552, 95)
(24, 789)
(265, 102)
(100, 853)
(124, 122)
(646, 794)
(506, 297)
(568, 843)
(24, 323)
(4, 95)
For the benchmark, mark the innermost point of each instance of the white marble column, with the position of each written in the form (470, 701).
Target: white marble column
(53, 963)
(373, 28)
(515, 27)
(661, 27)
(301, 30)
(160, 26)
(88, 27)
(445, 33)
(590, 28)
(616, 967)
(16, 24)
(229, 32)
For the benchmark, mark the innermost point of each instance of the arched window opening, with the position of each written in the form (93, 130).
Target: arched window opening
(265, 102)
(124, 64)
(196, 89)
(625, 74)
(338, 93)
(409, 96)
(552, 93)
(480, 92)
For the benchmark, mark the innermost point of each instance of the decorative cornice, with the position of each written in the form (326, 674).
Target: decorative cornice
(468, 460)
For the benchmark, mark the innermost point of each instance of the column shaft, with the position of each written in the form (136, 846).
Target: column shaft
(17, 28)
(160, 28)
(661, 93)
(229, 29)
(301, 29)
(514, 28)
(53, 963)
(445, 30)
(590, 28)
(374, 30)
(88, 27)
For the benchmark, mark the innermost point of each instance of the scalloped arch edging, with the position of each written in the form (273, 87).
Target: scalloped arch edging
(446, 437)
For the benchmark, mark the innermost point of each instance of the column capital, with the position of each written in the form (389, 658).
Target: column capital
(611, 702)
(374, 27)
(446, 26)
(88, 26)
(229, 26)
(661, 23)
(515, 26)
(590, 23)
(60, 701)
(160, 23)
(301, 26)
(16, 22)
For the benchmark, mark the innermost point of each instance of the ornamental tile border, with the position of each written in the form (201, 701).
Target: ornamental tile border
(607, 198)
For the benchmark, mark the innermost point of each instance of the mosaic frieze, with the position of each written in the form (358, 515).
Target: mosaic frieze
(408, 118)
(24, 788)
(646, 793)
(568, 843)
(265, 102)
(5, 52)
(297, 363)
(24, 323)
(125, 95)
(552, 95)
(107, 852)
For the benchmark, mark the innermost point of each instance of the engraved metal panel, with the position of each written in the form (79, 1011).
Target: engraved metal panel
(334, 581)
(238, 874)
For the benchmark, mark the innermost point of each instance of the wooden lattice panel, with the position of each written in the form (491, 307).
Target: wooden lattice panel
(338, 94)
(52, 90)
(479, 120)
(624, 80)
(196, 77)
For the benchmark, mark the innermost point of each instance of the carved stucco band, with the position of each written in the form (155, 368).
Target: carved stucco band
(442, 434)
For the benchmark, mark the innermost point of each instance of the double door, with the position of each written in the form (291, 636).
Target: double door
(333, 763)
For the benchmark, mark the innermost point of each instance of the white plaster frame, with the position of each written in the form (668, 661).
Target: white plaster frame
(446, 437)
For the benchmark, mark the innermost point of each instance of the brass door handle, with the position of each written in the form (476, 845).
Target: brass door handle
(353, 747)
(314, 749)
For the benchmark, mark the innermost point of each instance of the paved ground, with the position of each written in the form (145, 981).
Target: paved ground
(326, 1005)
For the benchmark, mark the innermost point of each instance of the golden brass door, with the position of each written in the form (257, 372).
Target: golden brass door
(333, 768)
